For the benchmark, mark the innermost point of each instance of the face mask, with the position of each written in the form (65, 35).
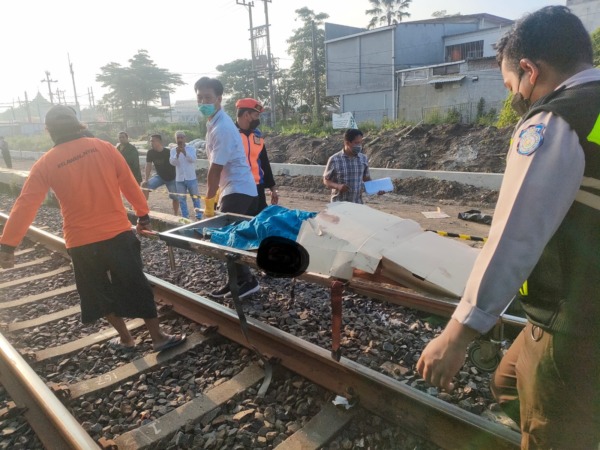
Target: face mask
(207, 109)
(356, 149)
(254, 124)
(519, 103)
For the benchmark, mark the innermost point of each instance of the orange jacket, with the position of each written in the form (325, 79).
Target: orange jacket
(87, 175)
(253, 145)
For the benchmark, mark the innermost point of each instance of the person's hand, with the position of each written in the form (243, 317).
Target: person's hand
(274, 197)
(180, 150)
(209, 206)
(343, 187)
(7, 260)
(143, 229)
(445, 355)
(144, 184)
(143, 225)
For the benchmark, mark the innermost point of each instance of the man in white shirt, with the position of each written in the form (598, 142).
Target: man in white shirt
(228, 172)
(183, 157)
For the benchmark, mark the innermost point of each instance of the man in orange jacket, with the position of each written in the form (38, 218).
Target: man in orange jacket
(248, 120)
(88, 176)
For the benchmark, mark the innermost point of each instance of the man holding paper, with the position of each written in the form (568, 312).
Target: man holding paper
(347, 169)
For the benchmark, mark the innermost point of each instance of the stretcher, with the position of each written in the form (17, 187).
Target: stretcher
(485, 353)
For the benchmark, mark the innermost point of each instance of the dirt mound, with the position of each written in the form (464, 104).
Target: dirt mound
(454, 147)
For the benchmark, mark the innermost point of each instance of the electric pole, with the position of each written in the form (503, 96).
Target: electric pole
(27, 108)
(270, 64)
(250, 5)
(74, 88)
(317, 105)
(91, 97)
(48, 80)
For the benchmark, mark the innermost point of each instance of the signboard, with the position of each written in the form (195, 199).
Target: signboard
(165, 99)
(344, 120)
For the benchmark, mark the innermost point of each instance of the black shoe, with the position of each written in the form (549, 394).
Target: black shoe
(246, 289)
(221, 292)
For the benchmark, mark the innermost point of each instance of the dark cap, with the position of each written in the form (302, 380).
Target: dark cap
(249, 103)
(60, 116)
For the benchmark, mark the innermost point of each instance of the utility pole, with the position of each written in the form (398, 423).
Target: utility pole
(91, 97)
(250, 5)
(58, 96)
(270, 64)
(74, 88)
(317, 104)
(48, 80)
(27, 108)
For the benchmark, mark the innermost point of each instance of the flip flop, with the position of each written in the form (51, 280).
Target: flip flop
(115, 343)
(173, 341)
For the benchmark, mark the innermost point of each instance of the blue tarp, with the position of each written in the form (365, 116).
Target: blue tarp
(274, 220)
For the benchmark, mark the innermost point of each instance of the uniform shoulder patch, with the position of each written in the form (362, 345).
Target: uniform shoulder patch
(530, 139)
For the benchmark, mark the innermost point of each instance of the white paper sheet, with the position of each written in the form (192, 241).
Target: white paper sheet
(382, 184)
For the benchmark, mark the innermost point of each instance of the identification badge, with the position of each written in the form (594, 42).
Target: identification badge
(530, 139)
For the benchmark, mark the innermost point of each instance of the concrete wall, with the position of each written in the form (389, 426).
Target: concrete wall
(477, 179)
(489, 36)
(588, 11)
(418, 100)
(482, 180)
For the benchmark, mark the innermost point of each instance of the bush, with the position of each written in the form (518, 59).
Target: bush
(34, 143)
(508, 117)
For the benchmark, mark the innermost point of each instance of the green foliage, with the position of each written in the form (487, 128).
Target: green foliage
(367, 125)
(300, 81)
(453, 116)
(134, 89)
(307, 130)
(34, 143)
(596, 46)
(237, 79)
(488, 118)
(508, 117)
(387, 12)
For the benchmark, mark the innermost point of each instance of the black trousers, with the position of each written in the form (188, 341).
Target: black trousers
(240, 204)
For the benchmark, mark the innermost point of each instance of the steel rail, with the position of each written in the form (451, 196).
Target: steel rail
(442, 423)
(50, 419)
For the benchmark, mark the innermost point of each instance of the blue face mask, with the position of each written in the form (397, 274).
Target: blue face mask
(207, 109)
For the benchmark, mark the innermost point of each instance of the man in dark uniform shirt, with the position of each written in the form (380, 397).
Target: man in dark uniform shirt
(165, 171)
(131, 155)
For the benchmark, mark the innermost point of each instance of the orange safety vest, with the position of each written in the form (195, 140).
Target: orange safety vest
(253, 145)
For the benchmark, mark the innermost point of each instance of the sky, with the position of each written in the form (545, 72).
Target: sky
(186, 37)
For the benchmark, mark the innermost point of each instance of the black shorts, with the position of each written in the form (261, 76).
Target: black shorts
(110, 279)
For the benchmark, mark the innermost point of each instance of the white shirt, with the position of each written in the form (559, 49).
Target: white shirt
(224, 147)
(185, 165)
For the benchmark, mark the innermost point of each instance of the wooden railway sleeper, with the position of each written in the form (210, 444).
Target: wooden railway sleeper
(107, 444)
(61, 391)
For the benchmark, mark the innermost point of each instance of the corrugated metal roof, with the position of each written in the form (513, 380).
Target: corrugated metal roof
(446, 79)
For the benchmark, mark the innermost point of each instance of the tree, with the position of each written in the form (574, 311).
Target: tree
(387, 12)
(443, 13)
(236, 77)
(300, 48)
(134, 89)
(596, 46)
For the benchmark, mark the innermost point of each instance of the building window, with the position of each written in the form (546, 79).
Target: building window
(446, 70)
(467, 50)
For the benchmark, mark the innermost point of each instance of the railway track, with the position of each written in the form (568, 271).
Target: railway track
(60, 400)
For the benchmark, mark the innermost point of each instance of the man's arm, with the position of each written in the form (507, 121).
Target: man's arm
(212, 179)
(148, 171)
(330, 178)
(268, 179)
(129, 187)
(530, 208)
(25, 208)
(190, 154)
